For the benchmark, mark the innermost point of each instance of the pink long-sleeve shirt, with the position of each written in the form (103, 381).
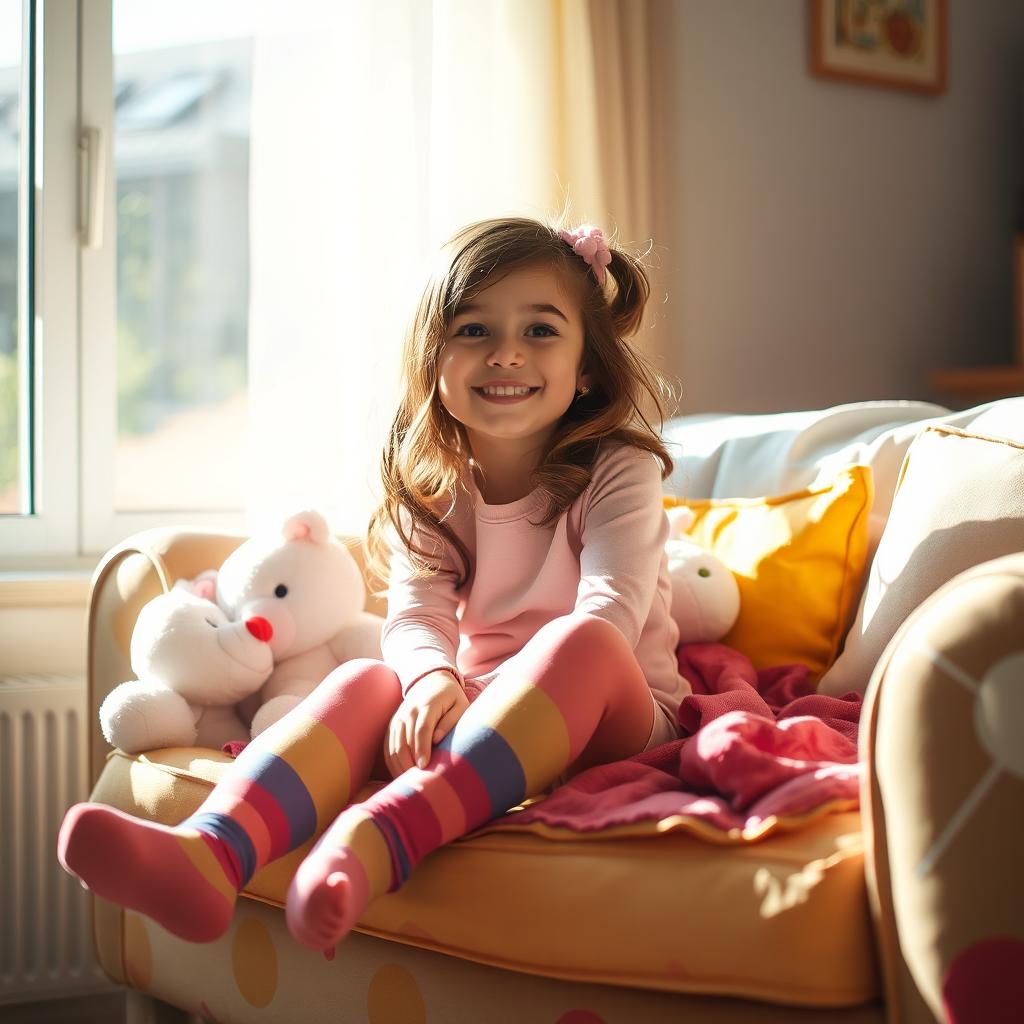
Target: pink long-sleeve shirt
(605, 556)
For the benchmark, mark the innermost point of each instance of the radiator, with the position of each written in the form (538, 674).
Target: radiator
(46, 946)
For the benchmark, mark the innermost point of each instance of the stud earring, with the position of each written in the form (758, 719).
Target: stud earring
(582, 390)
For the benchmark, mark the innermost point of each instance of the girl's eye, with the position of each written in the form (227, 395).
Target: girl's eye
(471, 331)
(546, 331)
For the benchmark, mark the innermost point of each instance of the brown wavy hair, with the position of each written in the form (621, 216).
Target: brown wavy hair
(427, 448)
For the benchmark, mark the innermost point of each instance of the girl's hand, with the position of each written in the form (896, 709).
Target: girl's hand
(428, 713)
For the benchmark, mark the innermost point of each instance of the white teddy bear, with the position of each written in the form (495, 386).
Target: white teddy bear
(309, 588)
(193, 665)
(705, 594)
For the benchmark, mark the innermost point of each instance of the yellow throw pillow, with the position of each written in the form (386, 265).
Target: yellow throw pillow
(799, 560)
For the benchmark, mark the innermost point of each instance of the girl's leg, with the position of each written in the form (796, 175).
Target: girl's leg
(284, 788)
(574, 696)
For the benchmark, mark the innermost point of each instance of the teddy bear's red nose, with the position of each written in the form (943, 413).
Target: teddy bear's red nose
(260, 628)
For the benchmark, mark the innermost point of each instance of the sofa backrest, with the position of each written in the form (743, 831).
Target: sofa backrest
(722, 455)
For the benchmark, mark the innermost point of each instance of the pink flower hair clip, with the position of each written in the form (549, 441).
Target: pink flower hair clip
(588, 243)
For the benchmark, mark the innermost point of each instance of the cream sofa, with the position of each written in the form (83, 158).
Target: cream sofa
(834, 922)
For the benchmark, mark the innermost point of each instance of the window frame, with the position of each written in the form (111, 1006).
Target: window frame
(73, 376)
(48, 535)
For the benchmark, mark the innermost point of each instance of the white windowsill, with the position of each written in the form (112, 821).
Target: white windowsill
(43, 614)
(45, 588)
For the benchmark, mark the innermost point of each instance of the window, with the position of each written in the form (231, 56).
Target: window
(123, 341)
(15, 492)
(181, 157)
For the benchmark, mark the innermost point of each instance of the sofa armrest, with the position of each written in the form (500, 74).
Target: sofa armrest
(128, 576)
(941, 730)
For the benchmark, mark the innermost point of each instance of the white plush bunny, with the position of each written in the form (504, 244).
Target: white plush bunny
(193, 665)
(705, 594)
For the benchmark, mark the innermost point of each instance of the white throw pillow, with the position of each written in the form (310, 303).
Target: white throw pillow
(959, 502)
(748, 456)
(720, 455)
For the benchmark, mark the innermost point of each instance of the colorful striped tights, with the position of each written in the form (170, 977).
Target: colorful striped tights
(572, 697)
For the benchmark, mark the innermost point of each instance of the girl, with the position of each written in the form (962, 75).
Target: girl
(528, 633)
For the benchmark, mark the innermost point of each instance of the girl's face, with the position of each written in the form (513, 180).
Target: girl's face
(510, 365)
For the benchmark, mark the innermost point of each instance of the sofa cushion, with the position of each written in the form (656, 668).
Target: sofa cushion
(959, 502)
(783, 920)
(799, 560)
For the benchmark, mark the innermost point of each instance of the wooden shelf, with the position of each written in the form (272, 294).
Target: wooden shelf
(981, 382)
(985, 383)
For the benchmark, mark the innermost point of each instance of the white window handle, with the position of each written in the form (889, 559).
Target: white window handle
(91, 186)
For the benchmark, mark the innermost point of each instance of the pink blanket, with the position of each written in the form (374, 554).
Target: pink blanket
(760, 749)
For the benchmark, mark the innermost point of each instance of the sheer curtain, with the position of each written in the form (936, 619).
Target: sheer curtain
(379, 128)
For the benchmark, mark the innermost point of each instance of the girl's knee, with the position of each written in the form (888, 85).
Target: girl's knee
(364, 672)
(584, 637)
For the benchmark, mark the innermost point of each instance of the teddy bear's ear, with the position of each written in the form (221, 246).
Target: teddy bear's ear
(204, 585)
(680, 519)
(307, 525)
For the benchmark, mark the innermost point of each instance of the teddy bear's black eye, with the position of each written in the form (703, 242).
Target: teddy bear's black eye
(280, 590)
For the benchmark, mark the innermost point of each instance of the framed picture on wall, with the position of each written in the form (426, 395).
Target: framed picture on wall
(901, 44)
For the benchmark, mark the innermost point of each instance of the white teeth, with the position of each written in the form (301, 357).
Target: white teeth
(505, 389)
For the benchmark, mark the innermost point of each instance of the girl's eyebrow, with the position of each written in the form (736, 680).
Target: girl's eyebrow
(545, 307)
(536, 307)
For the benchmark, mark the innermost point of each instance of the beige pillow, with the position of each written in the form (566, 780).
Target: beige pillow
(959, 501)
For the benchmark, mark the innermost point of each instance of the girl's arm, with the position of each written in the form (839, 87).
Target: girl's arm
(421, 631)
(624, 530)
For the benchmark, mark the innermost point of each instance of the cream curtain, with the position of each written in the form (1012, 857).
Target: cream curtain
(380, 126)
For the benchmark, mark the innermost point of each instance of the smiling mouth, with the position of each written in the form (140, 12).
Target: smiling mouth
(505, 394)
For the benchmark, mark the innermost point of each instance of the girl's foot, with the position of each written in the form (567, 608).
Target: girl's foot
(181, 878)
(349, 865)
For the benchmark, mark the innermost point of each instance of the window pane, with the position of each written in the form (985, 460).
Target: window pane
(11, 496)
(181, 150)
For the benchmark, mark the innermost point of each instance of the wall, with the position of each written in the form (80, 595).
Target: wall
(43, 623)
(834, 242)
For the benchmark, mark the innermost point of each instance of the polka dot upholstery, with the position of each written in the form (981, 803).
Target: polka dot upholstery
(138, 958)
(254, 962)
(394, 995)
(381, 982)
(983, 983)
(943, 728)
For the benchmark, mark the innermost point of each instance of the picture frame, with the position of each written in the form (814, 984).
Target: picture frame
(898, 44)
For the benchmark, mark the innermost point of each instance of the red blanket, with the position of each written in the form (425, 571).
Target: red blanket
(760, 748)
